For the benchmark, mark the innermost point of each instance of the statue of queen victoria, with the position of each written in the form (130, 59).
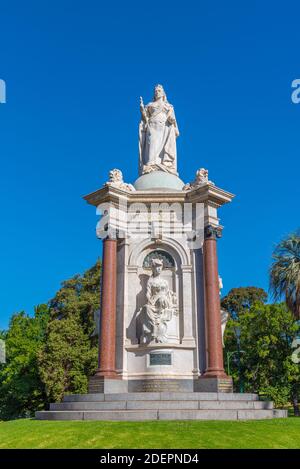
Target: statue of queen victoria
(157, 134)
(159, 309)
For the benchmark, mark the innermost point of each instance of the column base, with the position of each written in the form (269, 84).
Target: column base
(207, 383)
(107, 373)
(107, 384)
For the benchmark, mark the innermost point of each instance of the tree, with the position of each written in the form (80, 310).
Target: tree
(52, 352)
(67, 359)
(285, 273)
(21, 389)
(70, 352)
(267, 333)
(240, 300)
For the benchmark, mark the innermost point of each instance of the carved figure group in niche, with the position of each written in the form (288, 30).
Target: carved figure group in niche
(161, 305)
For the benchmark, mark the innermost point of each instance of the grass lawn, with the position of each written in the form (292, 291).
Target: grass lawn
(277, 433)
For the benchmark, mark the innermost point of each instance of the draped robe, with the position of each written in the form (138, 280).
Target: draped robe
(157, 138)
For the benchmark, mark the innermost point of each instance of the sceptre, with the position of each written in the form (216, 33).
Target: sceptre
(143, 111)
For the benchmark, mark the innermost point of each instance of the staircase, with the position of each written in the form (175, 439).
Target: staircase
(161, 406)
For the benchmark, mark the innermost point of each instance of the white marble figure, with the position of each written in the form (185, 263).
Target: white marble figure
(157, 134)
(200, 179)
(159, 309)
(116, 180)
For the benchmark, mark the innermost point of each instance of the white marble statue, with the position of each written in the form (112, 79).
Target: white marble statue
(116, 180)
(200, 180)
(157, 134)
(153, 318)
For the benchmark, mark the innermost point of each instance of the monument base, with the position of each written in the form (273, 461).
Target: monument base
(214, 384)
(140, 406)
(161, 385)
(102, 384)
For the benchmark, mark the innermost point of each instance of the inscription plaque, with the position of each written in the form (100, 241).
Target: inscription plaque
(160, 359)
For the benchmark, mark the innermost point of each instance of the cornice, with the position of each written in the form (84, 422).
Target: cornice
(208, 193)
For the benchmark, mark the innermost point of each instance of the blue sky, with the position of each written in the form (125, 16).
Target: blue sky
(74, 73)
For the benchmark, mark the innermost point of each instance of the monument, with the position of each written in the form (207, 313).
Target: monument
(161, 325)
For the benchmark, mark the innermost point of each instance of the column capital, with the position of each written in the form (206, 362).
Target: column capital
(110, 237)
(212, 232)
(113, 234)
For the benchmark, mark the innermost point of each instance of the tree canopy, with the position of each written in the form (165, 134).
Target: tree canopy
(21, 389)
(54, 352)
(285, 273)
(240, 300)
(266, 343)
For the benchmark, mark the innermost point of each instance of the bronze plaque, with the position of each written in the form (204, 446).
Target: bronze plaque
(160, 359)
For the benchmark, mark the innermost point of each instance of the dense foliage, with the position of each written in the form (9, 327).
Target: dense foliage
(259, 349)
(69, 355)
(240, 300)
(52, 352)
(21, 388)
(285, 273)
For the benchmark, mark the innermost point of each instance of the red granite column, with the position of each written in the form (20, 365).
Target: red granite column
(215, 366)
(107, 336)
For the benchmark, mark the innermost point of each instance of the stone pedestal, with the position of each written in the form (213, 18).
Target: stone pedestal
(181, 354)
(102, 384)
(210, 384)
(182, 377)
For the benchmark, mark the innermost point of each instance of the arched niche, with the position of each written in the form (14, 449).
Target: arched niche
(180, 254)
(164, 256)
(138, 275)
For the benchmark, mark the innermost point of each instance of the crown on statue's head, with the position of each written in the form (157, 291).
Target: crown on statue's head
(160, 87)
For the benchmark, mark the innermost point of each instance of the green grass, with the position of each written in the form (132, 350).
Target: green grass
(277, 433)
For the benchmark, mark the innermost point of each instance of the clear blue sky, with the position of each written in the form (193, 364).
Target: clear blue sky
(74, 73)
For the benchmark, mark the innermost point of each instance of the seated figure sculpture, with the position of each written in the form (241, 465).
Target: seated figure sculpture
(153, 317)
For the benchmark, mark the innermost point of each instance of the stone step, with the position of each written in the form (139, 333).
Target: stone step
(119, 405)
(236, 405)
(280, 413)
(162, 404)
(163, 396)
(141, 415)
(97, 415)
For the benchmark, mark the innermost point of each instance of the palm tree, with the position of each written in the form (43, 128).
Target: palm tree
(285, 273)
